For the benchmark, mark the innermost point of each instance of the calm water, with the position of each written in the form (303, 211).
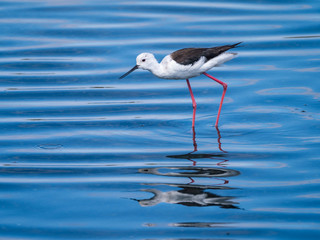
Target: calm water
(85, 155)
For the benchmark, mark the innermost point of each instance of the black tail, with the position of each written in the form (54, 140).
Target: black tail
(210, 53)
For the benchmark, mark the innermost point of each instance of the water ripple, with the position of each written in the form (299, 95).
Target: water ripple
(88, 156)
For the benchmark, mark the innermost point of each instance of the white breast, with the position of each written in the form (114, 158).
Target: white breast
(173, 70)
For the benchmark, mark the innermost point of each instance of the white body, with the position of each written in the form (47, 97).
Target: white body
(170, 69)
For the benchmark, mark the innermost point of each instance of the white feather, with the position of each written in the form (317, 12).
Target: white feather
(170, 69)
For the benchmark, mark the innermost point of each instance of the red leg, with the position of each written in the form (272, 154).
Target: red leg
(224, 93)
(194, 104)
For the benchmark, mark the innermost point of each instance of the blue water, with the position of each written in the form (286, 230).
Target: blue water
(85, 155)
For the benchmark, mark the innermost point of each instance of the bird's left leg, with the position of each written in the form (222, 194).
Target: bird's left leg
(224, 93)
(194, 104)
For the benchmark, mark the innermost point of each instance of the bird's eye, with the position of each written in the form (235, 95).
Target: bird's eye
(143, 60)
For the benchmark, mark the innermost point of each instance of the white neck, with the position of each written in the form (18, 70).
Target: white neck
(156, 69)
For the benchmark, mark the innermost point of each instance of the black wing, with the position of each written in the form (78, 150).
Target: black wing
(188, 56)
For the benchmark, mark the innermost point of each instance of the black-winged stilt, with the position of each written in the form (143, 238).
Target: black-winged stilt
(187, 63)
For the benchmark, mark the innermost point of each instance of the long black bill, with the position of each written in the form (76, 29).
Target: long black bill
(130, 71)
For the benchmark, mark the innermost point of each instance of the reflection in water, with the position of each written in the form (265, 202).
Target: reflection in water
(200, 224)
(219, 140)
(192, 194)
(195, 145)
(190, 156)
(191, 171)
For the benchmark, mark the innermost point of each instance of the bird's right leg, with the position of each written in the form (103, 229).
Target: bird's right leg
(194, 104)
(223, 94)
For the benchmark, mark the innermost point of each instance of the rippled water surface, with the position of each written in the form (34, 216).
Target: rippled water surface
(85, 155)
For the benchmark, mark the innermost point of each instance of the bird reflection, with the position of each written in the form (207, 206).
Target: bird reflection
(190, 171)
(189, 195)
(193, 193)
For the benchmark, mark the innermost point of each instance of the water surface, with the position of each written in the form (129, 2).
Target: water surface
(88, 156)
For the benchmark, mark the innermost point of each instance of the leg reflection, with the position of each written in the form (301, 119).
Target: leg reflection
(219, 140)
(195, 145)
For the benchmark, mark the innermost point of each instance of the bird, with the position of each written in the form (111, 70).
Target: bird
(187, 63)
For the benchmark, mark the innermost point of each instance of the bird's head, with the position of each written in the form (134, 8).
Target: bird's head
(144, 61)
